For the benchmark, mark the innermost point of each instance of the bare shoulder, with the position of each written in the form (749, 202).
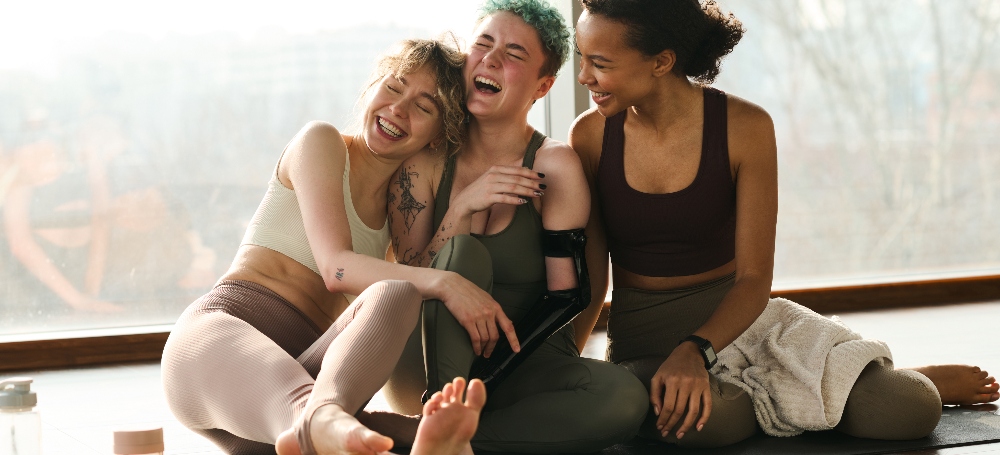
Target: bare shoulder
(319, 139)
(317, 145)
(586, 136)
(556, 158)
(748, 121)
(318, 133)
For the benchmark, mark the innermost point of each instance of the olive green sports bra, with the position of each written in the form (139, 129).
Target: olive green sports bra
(517, 249)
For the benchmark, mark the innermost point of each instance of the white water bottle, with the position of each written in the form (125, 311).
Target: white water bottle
(20, 424)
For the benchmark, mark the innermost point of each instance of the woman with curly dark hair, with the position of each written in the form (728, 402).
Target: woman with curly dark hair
(684, 181)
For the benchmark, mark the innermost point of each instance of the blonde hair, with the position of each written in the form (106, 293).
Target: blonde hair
(445, 61)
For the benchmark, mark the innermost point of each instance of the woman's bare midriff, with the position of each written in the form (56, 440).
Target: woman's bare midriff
(289, 279)
(625, 279)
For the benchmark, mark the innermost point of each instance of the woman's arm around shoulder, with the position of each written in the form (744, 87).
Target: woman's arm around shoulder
(586, 137)
(565, 204)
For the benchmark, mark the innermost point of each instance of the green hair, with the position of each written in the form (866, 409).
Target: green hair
(545, 19)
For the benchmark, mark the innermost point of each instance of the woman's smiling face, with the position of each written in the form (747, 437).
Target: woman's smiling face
(403, 115)
(617, 75)
(503, 66)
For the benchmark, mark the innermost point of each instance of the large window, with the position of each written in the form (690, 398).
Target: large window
(136, 141)
(888, 119)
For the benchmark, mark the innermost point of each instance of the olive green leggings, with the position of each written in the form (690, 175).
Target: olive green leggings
(554, 402)
(644, 326)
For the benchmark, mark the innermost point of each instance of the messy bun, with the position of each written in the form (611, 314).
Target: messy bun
(698, 32)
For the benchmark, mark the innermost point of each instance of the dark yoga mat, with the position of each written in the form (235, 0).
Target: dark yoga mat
(959, 426)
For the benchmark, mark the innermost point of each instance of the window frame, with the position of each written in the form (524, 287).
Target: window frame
(562, 105)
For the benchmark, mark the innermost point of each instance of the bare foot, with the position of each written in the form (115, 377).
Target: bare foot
(335, 432)
(401, 428)
(448, 423)
(961, 384)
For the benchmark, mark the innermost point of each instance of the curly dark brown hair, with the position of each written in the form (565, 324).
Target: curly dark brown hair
(698, 32)
(446, 62)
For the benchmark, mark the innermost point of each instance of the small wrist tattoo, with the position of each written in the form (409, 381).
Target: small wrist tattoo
(340, 274)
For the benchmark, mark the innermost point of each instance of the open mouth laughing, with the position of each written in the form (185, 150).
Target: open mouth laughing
(487, 85)
(599, 97)
(390, 129)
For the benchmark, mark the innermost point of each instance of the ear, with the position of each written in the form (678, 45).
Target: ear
(437, 141)
(545, 84)
(663, 63)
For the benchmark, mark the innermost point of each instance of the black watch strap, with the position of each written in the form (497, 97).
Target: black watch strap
(705, 346)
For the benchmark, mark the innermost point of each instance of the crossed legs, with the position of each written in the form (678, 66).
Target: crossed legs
(226, 379)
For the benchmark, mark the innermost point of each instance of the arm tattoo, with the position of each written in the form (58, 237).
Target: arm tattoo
(408, 205)
(340, 274)
(408, 256)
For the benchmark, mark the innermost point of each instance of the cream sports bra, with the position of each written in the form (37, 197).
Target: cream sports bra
(277, 225)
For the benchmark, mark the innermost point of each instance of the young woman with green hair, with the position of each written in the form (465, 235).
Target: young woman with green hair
(507, 212)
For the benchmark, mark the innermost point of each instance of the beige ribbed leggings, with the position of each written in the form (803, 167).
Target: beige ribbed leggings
(242, 363)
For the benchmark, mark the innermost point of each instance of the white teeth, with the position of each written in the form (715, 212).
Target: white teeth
(389, 128)
(487, 81)
(599, 94)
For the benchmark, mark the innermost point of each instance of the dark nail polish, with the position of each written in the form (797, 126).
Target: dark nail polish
(541, 175)
(543, 186)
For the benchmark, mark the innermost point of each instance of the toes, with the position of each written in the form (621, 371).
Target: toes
(475, 396)
(982, 398)
(375, 441)
(287, 444)
(433, 404)
(459, 388)
(448, 392)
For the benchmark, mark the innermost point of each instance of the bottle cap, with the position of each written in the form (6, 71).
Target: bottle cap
(15, 393)
(139, 441)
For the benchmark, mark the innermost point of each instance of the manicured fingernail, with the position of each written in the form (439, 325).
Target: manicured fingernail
(680, 435)
(541, 175)
(523, 200)
(659, 427)
(656, 410)
(538, 193)
(700, 426)
(542, 186)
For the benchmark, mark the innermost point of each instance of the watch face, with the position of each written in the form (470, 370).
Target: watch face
(710, 356)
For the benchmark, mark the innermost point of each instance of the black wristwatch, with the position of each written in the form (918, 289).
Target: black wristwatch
(705, 346)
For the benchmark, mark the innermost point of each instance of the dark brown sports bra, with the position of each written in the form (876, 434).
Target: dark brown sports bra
(682, 233)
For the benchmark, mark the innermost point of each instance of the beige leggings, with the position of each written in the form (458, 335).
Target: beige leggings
(644, 326)
(242, 363)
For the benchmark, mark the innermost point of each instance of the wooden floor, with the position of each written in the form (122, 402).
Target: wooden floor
(81, 407)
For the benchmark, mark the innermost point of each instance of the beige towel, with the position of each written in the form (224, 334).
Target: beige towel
(798, 367)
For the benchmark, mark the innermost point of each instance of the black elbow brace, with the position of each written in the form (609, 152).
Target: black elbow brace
(552, 312)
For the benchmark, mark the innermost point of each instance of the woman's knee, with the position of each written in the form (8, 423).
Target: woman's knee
(467, 256)
(396, 296)
(891, 404)
(621, 398)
